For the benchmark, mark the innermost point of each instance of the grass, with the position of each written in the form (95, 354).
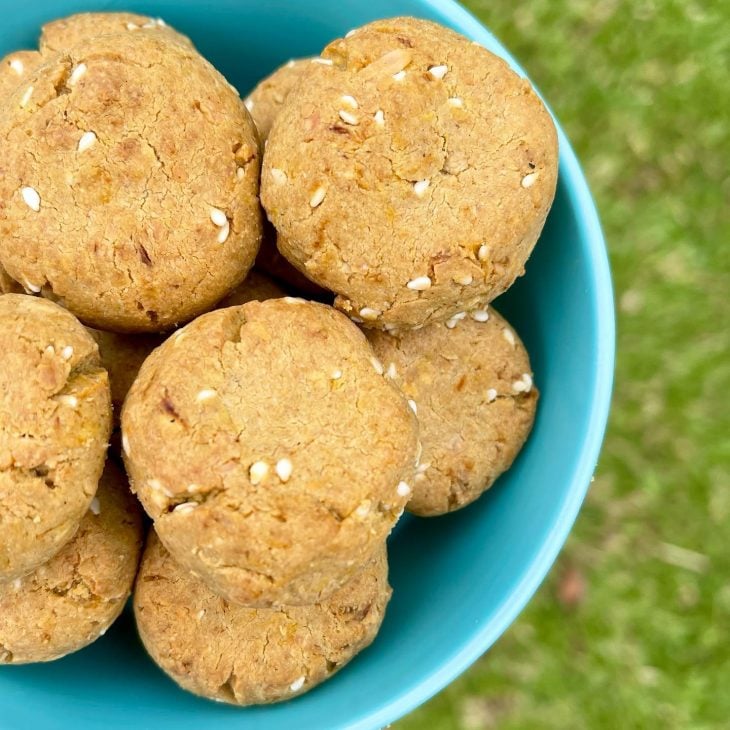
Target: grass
(631, 628)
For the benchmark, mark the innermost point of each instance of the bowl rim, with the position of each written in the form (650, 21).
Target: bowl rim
(591, 233)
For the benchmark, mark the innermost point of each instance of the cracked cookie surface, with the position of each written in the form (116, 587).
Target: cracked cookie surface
(250, 656)
(55, 419)
(130, 201)
(68, 602)
(470, 382)
(270, 450)
(410, 172)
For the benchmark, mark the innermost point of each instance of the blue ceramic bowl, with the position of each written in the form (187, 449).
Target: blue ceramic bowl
(460, 580)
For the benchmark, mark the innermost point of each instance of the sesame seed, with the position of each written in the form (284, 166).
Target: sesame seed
(77, 73)
(283, 469)
(192, 488)
(200, 614)
(363, 509)
(32, 287)
(149, 24)
(348, 117)
(294, 300)
(377, 365)
(16, 584)
(413, 406)
(69, 400)
(50, 350)
(67, 352)
(480, 315)
(26, 97)
(456, 102)
(240, 173)
(392, 372)
(161, 23)
(527, 380)
(529, 180)
(350, 33)
(278, 176)
(290, 63)
(132, 26)
(218, 217)
(420, 478)
(420, 187)
(205, 395)
(379, 117)
(323, 61)
(179, 336)
(455, 320)
(357, 320)
(423, 468)
(369, 313)
(224, 233)
(438, 72)
(17, 65)
(483, 253)
(336, 374)
(258, 472)
(297, 684)
(399, 76)
(95, 507)
(509, 336)
(349, 100)
(317, 196)
(519, 386)
(125, 444)
(403, 489)
(31, 198)
(37, 519)
(491, 395)
(156, 486)
(248, 104)
(420, 283)
(86, 141)
(185, 507)
(464, 280)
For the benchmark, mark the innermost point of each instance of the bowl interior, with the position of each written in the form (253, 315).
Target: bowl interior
(459, 580)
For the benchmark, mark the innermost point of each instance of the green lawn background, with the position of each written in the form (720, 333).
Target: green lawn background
(632, 627)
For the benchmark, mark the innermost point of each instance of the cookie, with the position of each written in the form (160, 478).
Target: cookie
(470, 382)
(247, 656)
(70, 601)
(270, 450)
(267, 99)
(65, 33)
(257, 286)
(55, 418)
(98, 206)
(410, 173)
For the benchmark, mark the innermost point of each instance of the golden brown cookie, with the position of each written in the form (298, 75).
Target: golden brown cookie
(72, 600)
(411, 173)
(267, 99)
(256, 286)
(470, 382)
(98, 205)
(65, 33)
(247, 656)
(55, 418)
(270, 450)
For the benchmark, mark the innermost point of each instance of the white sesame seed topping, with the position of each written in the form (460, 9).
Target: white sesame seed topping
(455, 320)
(438, 72)
(125, 444)
(413, 406)
(420, 187)
(185, 507)
(377, 365)
(179, 336)
(491, 395)
(31, 198)
(86, 141)
(483, 253)
(456, 102)
(399, 76)
(336, 374)
(403, 489)
(77, 73)
(464, 280)
(527, 380)
(16, 584)
(95, 507)
(248, 104)
(258, 472)
(294, 300)
(69, 400)
(423, 468)
(37, 519)
(369, 313)
(351, 101)
(519, 386)
(363, 509)
(31, 287)
(224, 233)
(350, 33)
(317, 196)
(132, 26)
(348, 117)
(420, 283)
(283, 469)
(480, 315)
(150, 24)
(392, 371)
(67, 353)
(509, 336)
(192, 488)
(17, 65)
(379, 117)
(200, 614)
(218, 217)
(297, 684)
(529, 180)
(240, 173)
(26, 97)
(161, 23)
(278, 176)
(50, 350)
(205, 395)
(323, 61)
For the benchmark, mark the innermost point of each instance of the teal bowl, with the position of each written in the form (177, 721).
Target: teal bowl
(459, 581)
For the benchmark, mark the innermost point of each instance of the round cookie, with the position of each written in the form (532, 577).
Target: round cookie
(270, 450)
(256, 287)
(55, 418)
(470, 382)
(266, 100)
(72, 600)
(65, 33)
(411, 173)
(99, 207)
(248, 656)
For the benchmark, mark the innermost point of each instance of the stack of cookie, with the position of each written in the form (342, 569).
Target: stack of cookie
(277, 438)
